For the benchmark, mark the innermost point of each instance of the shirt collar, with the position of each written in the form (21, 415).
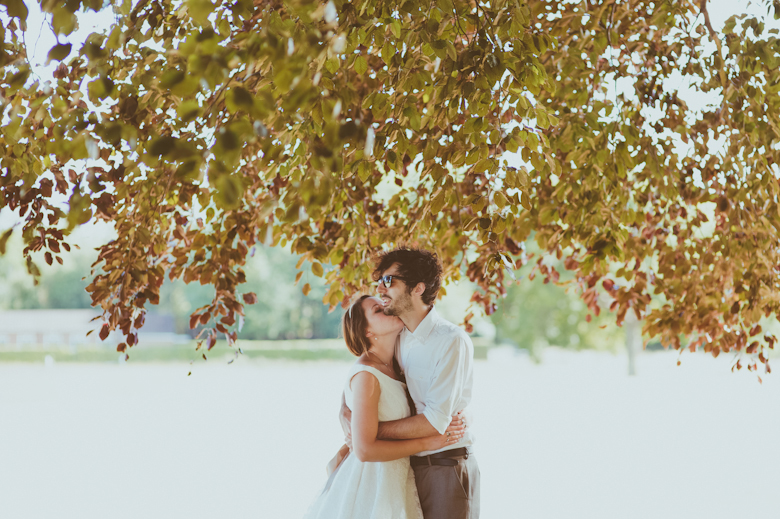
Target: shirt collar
(426, 326)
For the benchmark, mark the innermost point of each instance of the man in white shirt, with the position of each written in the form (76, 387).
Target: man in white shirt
(437, 358)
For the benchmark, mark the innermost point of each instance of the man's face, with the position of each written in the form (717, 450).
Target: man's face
(398, 298)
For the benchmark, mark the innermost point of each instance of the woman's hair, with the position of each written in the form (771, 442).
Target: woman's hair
(354, 325)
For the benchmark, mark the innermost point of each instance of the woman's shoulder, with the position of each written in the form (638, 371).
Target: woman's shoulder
(363, 375)
(362, 366)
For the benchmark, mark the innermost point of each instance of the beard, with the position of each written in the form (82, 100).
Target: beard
(399, 305)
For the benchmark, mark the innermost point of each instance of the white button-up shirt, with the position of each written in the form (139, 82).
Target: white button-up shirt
(438, 360)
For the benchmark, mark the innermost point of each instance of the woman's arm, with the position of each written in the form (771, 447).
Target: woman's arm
(416, 426)
(345, 418)
(365, 424)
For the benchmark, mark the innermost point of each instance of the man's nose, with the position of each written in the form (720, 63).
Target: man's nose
(380, 288)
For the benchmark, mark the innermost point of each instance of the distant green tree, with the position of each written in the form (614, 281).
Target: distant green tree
(66, 287)
(282, 310)
(536, 313)
(58, 287)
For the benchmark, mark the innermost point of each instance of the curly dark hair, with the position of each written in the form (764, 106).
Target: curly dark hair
(415, 266)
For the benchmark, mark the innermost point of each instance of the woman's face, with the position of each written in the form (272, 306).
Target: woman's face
(380, 324)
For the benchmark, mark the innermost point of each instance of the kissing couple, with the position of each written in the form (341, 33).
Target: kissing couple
(409, 452)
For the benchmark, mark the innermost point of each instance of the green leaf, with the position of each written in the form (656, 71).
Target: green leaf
(332, 65)
(364, 171)
(395, 27)
(188, 170)
(728, 28)
(188, 110)
(16, 8)
(59, 52)
(541, 118)
(239, 98)
(171, 78)
(414, 117)
(482, 165)
(317, 269)
(200, 10)
(162, 146)
(230, 191)
(388, 51)
(361, 65)
(100, 88)
(63, 21)
(18, 80)
(525, 201)
(523, 179)
(438, 202)
(499, 199)
(547, 215)
(94, 51)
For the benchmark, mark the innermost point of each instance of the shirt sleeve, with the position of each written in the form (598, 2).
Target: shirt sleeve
(447, 387)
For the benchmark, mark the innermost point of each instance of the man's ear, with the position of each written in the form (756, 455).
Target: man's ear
(419, 289)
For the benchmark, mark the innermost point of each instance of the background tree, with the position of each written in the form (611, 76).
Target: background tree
(282, 311)
(536, 314)
(200, 128)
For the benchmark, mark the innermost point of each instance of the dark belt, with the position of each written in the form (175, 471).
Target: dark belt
(441, 458)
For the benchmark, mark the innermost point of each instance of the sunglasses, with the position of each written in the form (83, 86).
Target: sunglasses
(387, 280)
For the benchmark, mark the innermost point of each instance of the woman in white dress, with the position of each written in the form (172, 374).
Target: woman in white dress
(375, 481)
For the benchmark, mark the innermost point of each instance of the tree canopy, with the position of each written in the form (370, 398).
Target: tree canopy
(200, 128)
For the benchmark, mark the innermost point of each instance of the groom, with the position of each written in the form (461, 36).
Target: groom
(437, 358)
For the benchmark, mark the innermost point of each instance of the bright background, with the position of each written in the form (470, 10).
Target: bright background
(572, 437)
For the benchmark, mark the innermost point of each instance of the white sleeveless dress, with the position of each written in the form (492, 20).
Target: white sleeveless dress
(372, 490)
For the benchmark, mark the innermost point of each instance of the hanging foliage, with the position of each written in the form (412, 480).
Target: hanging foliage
(199, 128)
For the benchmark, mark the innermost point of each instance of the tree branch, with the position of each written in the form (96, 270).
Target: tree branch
(714, 36)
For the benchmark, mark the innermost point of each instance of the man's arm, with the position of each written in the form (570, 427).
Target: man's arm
(452, 371)
(413, 427)
(417, 426)
(404, 429)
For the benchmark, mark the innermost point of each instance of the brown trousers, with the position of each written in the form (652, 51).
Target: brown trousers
(449, 492)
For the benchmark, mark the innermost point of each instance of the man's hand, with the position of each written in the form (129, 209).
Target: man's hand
(345, 417)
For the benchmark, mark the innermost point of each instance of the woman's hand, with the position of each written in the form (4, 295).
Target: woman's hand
(440, 441)
(454, 432)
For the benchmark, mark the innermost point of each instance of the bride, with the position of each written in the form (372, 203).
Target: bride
(375, 481)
